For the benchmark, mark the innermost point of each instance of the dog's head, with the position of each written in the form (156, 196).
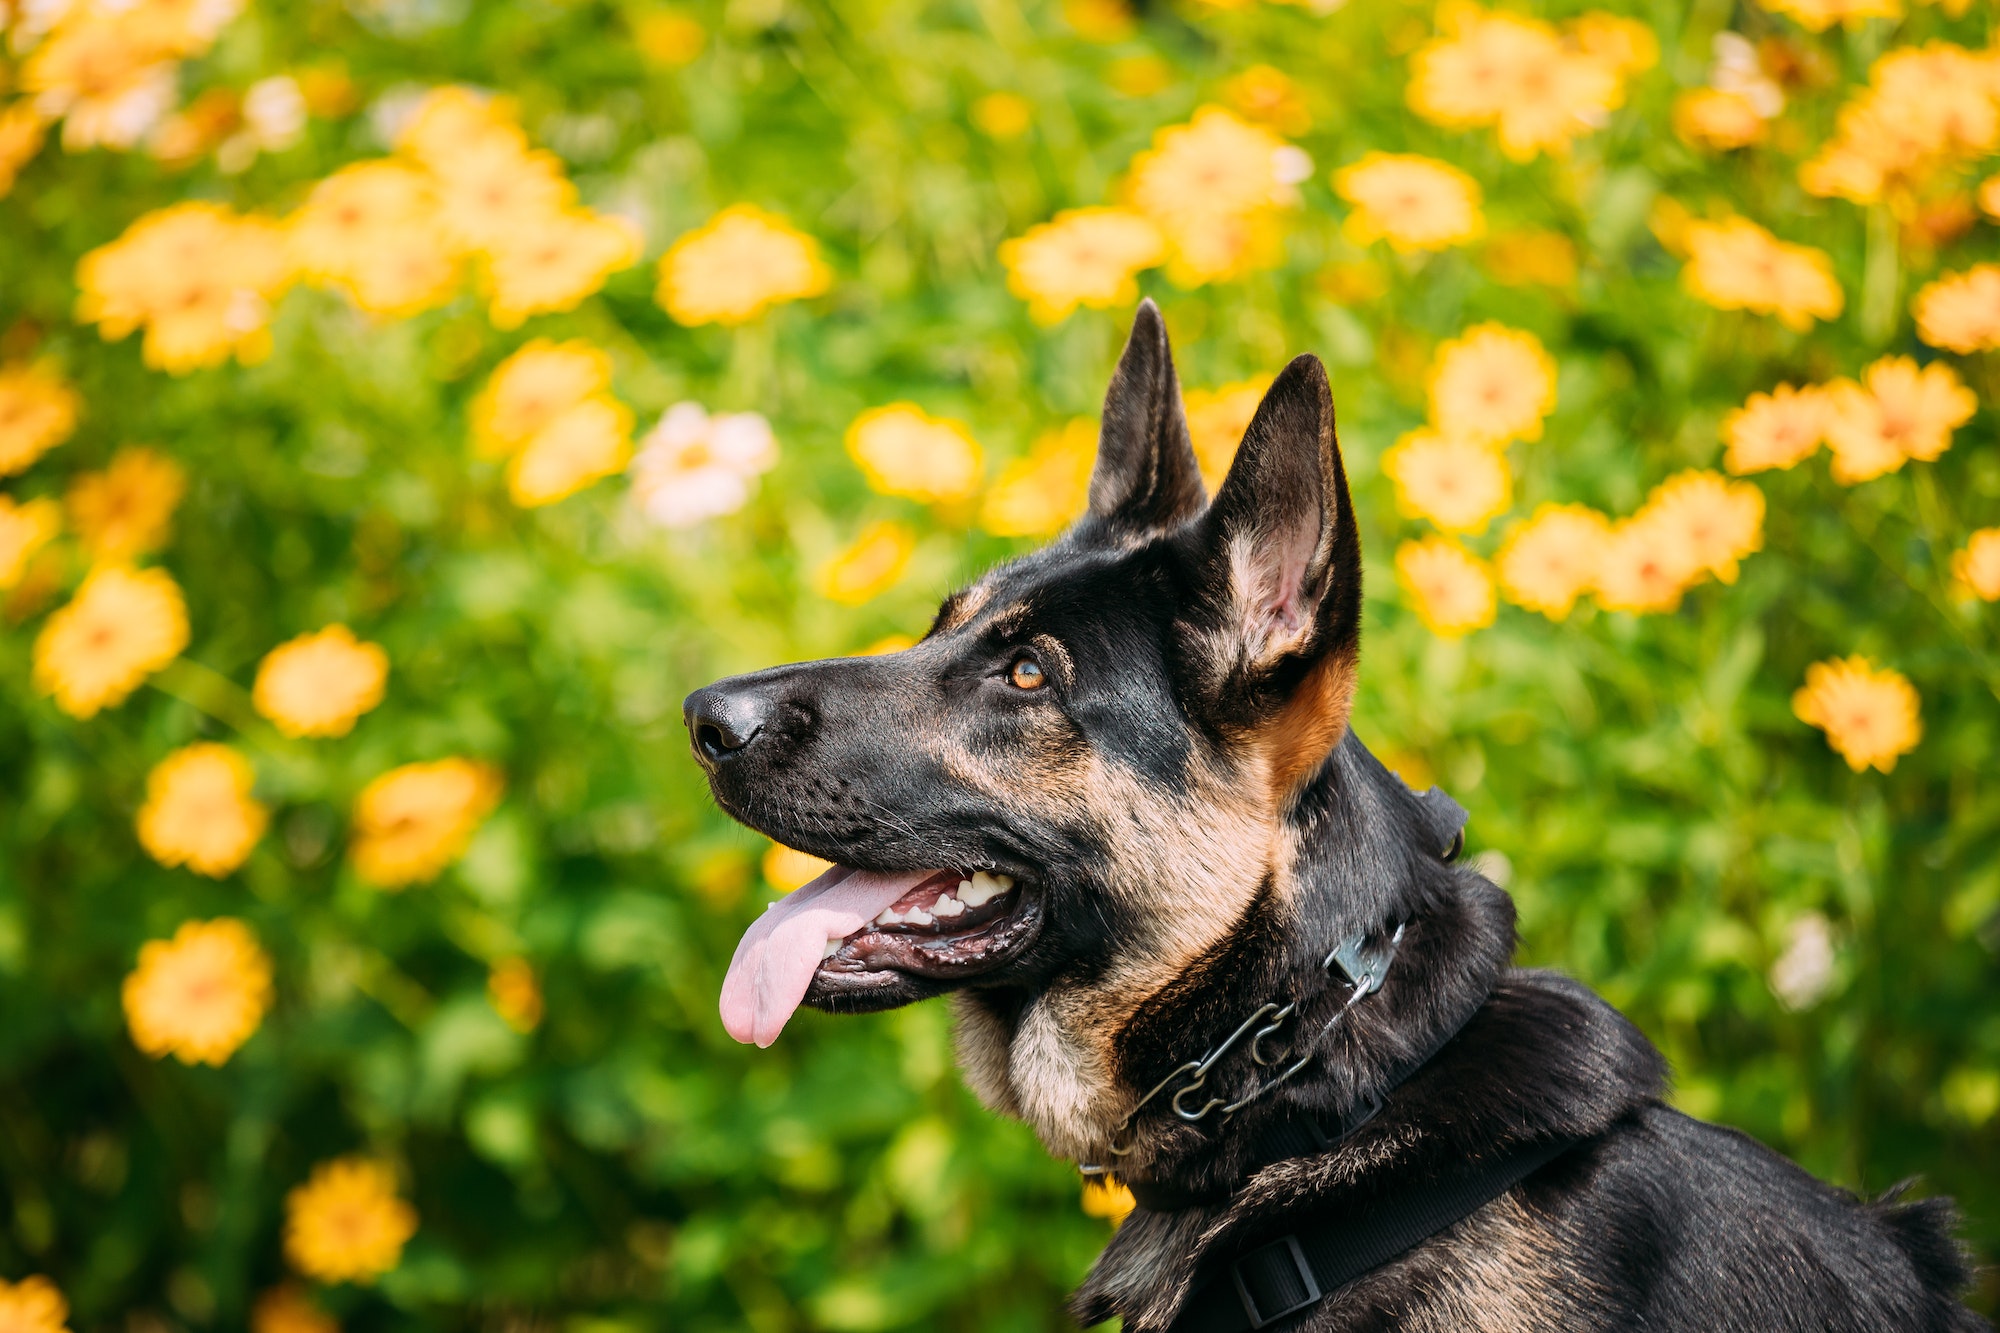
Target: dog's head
(1078, 780)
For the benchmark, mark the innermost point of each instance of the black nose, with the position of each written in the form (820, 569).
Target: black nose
(721, 722)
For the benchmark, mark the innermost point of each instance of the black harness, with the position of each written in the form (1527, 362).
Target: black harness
(1288, 1274)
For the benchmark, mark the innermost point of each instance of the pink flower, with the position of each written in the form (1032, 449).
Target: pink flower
(694, 466)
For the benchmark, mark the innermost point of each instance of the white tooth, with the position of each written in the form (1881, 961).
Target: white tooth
(948, 906)
(964, 884)
(919, 917)
(1005, 882)
(888, 916)
(984, 889)
(832, 948)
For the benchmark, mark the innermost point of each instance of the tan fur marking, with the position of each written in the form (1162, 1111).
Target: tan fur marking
(963, 606)
(1311, 723)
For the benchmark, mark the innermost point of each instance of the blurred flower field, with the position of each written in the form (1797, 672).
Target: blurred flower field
(404, 403)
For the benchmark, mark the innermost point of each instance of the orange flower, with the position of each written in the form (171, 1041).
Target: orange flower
(555, 262)
(121, 627)
(196, 277)
(904, 450)
(32, 1305)
(199, 811)
(1458, 484)
(200, 995)
(1492, 383)
(1086, 256)
(1217, 419)
(286, 1308)
(346, 1223)
(1546, 563)
(532, 388)
(1214, 187)
(38, 411)
(24, 530)
(586, 443)
(1448, 587)
(1903, 413)
(1819, 15)
(1104, 1197)
(1977, 567)
(1268, 96)
(122, 512)
(1642, 568)
(1712, 118)
(1737, 265)
(1779, 429)
(1960, 312)
(1039, 494)
(737, 265)
(1539, 91)
(869, 567)
(318, 684)
(1708, 523)
(515, 994)
(1413, 202)
(787, 868)
(1870, 717)
(413, 821)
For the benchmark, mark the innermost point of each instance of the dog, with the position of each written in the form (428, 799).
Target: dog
(1202, 942)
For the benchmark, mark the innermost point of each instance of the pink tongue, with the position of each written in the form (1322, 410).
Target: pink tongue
(776, 959)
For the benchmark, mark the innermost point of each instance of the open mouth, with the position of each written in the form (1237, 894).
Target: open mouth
(854, 931)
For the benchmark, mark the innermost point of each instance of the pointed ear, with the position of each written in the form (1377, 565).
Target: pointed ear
(1280, 553)
(1146, 479)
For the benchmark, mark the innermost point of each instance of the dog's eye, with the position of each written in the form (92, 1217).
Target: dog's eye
(1027, 675)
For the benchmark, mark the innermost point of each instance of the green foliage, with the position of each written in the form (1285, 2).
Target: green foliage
(1664, 818)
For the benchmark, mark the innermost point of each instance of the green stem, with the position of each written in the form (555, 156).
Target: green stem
(1881, 275)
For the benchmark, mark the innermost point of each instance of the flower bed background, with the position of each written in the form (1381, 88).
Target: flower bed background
(404, 403)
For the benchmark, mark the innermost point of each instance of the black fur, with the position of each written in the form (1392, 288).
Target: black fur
(1198, 663)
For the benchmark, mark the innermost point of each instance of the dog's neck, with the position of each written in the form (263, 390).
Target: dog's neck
(1367, 857)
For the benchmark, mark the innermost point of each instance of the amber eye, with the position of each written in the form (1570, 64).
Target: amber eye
(1027, 675)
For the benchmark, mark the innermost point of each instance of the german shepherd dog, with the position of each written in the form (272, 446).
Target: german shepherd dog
(1199, 938)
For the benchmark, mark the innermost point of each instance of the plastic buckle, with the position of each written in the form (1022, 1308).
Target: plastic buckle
(1260, 1318)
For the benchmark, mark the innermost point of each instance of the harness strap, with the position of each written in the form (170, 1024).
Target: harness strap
(1284, 1276)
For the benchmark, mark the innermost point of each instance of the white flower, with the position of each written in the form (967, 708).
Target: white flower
(1803, 974)
(1291, 164)
(274, 110)
(693, 466)
(1739, 69)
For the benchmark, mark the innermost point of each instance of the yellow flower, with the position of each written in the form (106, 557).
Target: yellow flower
(1977, 567)
(318, 684)
(1039, 494)
(1268, 96)
(882, 647)
(1819, 15)
(37, 412)
(1518, 75)
(1086, 256)
(1003, 115)
(122, 512)
(346, 1223)
(1626, 45)
(1713, 118)
(904, 450)
(668, 37)
(1925, 109)
(1106, 1198)
(21, 128)
(740, 262)
(554, 263)
(1456, 483)
(1903, 413)
(1642, 568)
(1492, 383)
(287, 1309)
(373, 230)
(32, 1305)
(493, 190)
(198, 278)
(24, 530)
(786, 868)
(1546, 563)
(1737, 265)
(1217, 419)
(1989, 197)
(200, 995)
(515, 994)
(1869, 717)
(532, 388)
(1705, 523)
(1449, 588)
(453, 124)
(1212, 187)
(413, 821)
(1960, 312)
(585, 443)
(1415, 203)
(104, 78)
(1100, 20)
(122, 626)
(199, 811)
(1779, 429)
(871, 566)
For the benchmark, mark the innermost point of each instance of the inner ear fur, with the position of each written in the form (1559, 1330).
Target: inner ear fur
(1280, 561)
(1146, 479)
